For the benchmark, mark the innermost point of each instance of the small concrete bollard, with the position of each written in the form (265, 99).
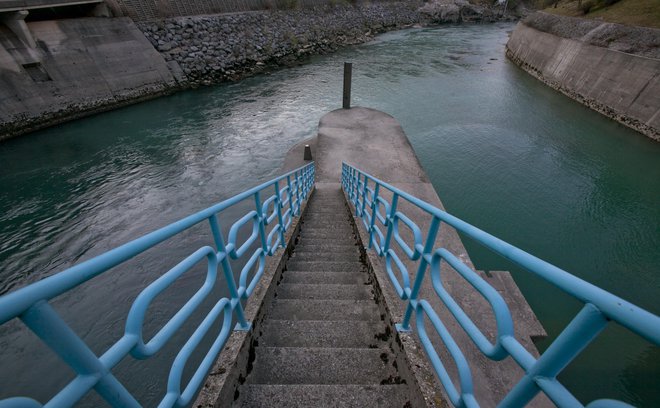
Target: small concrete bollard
(308, 153)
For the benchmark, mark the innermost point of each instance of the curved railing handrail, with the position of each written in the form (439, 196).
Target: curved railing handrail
(600, 305)
(30, 303)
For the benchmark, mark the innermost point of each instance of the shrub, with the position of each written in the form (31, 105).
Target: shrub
(586, 6)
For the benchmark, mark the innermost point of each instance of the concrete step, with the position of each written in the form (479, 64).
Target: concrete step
(334, 249)
(292, 265)
(325, 256)
(313, 365)
(335, 226)
(323, 396)
(321, 277)
(327, 235)
(321, 242)
(311, 309)
(323, 291)
(326, 218)
(321, 212)
(318, 333)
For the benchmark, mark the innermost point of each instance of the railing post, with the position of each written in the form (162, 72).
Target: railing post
(355, 188)
(390, 223)
(298, 188)
(421, 271)
(364, 195)
(357, 196)
(572, 340)
(289, 195)
(44, 321)
(374, 214)
(280, 220)
(262, 222)
(348, 73)
(242, 324)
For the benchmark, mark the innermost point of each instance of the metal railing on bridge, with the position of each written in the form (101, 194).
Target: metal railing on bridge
(369, 195)
(31, 303)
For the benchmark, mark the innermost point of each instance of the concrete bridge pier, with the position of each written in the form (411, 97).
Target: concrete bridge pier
(15, 21)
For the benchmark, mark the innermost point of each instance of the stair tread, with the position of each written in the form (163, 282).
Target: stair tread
(325, 256)
(295, 265)
(313, 365)
(325, 277)
(322, 333)
(323, 396)
(323, 291)
(314, 309)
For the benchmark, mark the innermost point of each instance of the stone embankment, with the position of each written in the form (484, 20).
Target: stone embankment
(211, 49)
(611, 68)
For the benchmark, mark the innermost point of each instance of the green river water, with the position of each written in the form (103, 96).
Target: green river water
(504, 152)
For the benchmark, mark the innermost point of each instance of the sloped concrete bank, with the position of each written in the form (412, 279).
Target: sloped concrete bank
(610, 68)
(80, 66)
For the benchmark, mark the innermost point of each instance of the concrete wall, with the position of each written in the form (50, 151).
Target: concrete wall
(622, 86)
(79, 66)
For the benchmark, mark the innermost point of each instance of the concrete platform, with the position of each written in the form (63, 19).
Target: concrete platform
(375, 143)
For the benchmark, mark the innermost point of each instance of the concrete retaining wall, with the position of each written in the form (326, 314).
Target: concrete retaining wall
(79, 66)
(620, 85)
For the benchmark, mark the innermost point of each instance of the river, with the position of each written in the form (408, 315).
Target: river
(504, 152)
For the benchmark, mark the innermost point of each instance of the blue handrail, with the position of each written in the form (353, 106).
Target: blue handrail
(31, 303)
(366, 193)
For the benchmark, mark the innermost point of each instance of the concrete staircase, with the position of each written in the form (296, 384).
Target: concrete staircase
(323, 342)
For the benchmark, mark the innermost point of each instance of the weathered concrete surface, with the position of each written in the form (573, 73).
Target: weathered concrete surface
(10, 5)
(375, 142)
(622, 86)
(80, 66)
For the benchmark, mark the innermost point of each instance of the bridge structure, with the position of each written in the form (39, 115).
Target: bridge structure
(14, 12)
(355, 290)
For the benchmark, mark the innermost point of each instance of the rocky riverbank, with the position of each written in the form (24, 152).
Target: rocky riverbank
(202, 50)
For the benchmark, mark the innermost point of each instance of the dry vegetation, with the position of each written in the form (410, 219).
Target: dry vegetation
(645, 13)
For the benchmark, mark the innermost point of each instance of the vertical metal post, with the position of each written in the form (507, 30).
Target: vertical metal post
(280, 219)
(348, 73)
(390, 223)
(421, 270)
(364, 195)
(299, 180)
(374, 214)
(242, 324)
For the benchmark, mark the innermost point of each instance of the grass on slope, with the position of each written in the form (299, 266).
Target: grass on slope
(645, 13)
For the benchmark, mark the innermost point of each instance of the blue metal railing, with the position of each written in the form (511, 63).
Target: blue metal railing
(368, 193)
(31, 303)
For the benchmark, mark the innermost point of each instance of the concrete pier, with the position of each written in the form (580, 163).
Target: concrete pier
(374, 142)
